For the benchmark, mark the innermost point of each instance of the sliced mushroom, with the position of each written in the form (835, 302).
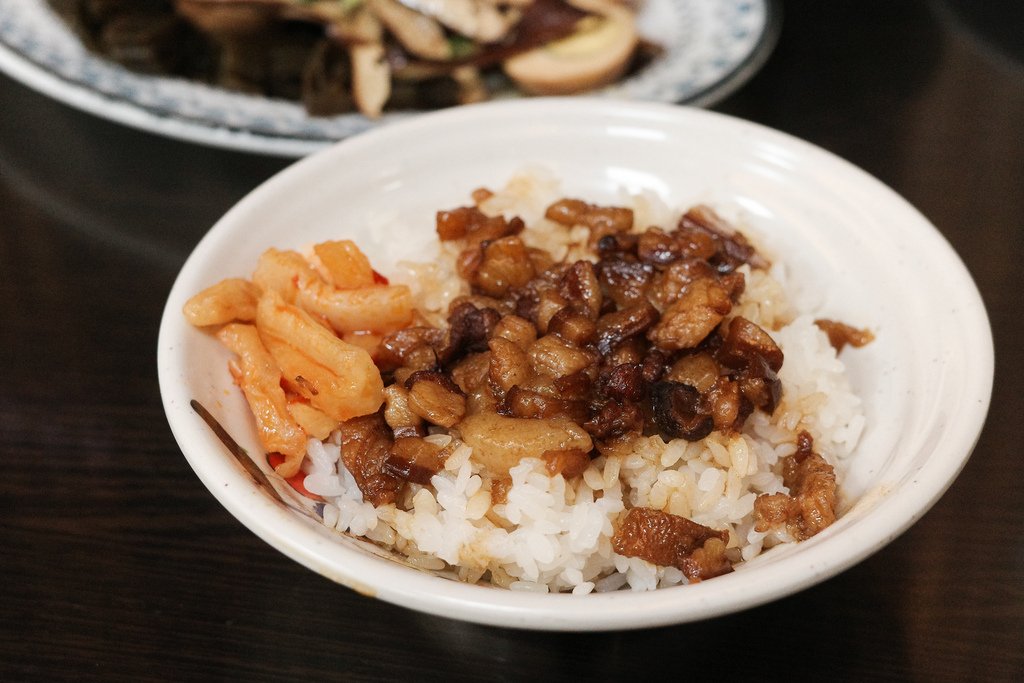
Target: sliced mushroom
(678, 412)
(595, 55)
(419, 34)
(371, 77)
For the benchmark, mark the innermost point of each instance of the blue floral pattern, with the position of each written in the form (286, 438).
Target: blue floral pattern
(710, 47)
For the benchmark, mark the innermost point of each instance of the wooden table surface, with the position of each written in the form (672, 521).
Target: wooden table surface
(117, 564)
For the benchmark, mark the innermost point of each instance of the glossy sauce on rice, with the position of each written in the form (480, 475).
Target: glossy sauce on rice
(532, 529)
(556, 535)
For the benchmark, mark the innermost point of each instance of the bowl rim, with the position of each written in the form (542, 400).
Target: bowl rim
(297, 538)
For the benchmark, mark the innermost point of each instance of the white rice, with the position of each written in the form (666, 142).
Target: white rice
(555, 535)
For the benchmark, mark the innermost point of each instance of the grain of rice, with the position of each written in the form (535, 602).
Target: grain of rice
(612, 582)
(427, 562)
(657, 498)
(478, 505)
(441, 440)
(679, 504)
(593, 478)
(673, 452)
(611, 472)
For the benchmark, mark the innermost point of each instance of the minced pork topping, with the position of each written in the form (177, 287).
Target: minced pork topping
(563, 361)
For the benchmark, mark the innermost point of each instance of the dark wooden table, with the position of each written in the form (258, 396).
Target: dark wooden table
(117, 564)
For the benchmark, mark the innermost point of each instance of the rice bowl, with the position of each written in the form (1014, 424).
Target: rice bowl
(832, 225)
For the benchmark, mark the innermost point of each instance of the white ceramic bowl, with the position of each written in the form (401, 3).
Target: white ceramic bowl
(867, 255)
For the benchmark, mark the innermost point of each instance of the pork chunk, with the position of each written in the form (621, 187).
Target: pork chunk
(365, 448)
(693, 316)
(672, 541)
(811, 504)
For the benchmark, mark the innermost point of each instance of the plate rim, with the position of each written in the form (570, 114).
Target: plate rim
(22, 68)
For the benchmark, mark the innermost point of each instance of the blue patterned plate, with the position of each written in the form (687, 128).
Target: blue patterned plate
(711, 47)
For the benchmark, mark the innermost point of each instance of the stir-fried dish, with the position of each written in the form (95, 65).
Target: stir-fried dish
(339, 56)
